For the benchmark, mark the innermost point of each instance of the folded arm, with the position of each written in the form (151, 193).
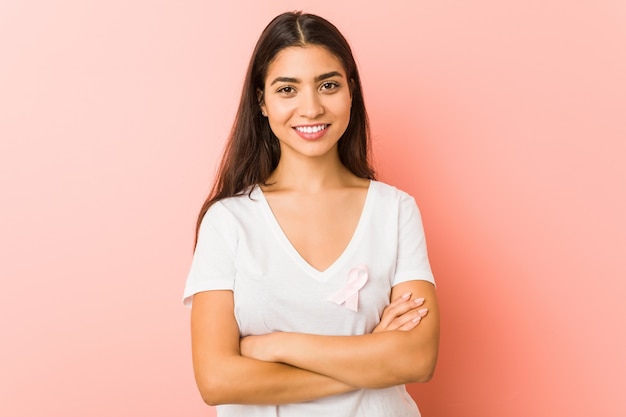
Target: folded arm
(376, 360)
(224, 376)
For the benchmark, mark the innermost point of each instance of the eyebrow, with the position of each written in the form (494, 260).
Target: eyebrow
(317, 79)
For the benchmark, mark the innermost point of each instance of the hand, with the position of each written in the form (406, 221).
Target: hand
(403, 314)
(259, 347)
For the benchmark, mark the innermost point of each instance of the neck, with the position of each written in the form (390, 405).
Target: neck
(309, 174)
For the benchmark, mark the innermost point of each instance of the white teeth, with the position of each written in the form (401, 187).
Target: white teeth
(310, 129)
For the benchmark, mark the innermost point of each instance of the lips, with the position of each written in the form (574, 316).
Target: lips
(311, 132)
(310, 129)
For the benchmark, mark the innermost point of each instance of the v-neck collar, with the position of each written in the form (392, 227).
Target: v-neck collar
(278, 232)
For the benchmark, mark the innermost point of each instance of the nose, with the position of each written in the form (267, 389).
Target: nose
(310, 104)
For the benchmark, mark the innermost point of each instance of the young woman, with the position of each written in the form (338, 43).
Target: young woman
(310, 285)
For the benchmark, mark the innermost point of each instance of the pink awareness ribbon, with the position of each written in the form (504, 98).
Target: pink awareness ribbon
(349, 294)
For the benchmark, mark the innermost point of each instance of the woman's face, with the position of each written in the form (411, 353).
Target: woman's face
(307, 101)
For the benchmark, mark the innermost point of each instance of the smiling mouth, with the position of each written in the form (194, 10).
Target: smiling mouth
(311, 129)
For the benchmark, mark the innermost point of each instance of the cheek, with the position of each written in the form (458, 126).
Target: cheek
(343, 108)
(280, 109)
(278, 118)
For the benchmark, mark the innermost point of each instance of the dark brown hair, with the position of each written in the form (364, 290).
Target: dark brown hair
(252, 151)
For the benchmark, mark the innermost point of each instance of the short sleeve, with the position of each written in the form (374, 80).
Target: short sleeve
(412, 261)
(213, 263)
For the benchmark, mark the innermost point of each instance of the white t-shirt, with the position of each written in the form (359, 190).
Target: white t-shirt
(242, 248)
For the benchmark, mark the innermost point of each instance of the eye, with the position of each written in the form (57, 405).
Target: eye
(329, 85)
(286, 90)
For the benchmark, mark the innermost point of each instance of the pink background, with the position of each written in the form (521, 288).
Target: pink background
(506, 120)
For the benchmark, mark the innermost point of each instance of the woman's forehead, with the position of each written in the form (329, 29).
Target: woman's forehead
(304, 62)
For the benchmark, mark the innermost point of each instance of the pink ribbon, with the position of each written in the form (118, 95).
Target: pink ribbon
(349, 294)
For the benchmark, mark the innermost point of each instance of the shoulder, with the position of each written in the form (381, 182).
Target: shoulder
(387, 192)
(243, 202)
(390, 199)
(230, 211)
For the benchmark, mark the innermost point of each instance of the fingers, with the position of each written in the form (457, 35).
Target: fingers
(402, 314)
(393, 310)
(411, 319)
(402, 305)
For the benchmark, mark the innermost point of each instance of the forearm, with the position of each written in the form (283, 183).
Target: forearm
(369, 361)
(225, 376)
(378, 360)
(239, 380)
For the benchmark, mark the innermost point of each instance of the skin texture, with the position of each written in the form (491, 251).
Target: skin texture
(307, 86)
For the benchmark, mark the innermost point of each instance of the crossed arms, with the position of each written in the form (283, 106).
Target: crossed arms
(281, 368)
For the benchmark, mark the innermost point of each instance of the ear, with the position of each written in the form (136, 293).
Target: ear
(352, 85)
(260, 99)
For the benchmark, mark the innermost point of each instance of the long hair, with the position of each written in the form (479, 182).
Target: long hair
(252, 150)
